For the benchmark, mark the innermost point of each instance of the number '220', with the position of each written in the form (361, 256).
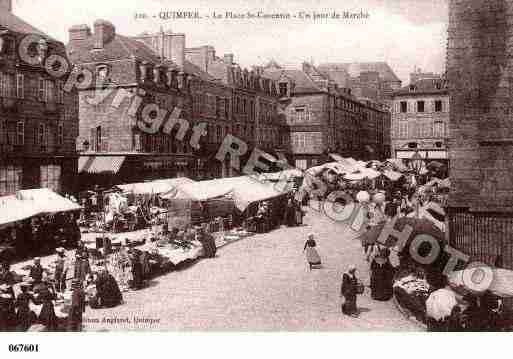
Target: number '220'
(23, 348)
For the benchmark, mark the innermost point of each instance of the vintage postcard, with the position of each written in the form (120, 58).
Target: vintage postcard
(278, 166)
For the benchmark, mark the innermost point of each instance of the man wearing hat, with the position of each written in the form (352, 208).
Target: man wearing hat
(61, 270)
(36, 271)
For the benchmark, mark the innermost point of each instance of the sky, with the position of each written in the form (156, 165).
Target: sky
(404, 33)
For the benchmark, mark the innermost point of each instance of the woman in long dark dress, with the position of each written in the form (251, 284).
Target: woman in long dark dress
(349, 291)
(312, 256)
(137, 269)
(382, 277)
(77, 307)
(7, 313)
(108, 291)
(290, 214)
(46, 296)
(25, 317)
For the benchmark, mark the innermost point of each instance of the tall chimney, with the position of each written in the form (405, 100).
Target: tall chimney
(79, 32)
(228, 59)
(104, 32)
(6, 5)
(178, 49)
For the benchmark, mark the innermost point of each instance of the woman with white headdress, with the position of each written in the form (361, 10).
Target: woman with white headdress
(350, 288)
(312, 256)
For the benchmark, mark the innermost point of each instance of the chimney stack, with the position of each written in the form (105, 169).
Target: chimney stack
(178, 49)
(6, 5)
(104, 32)
(228, 59)
(79, 32)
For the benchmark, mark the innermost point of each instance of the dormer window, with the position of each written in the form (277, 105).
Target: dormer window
(284, 89)
(42, 48)
(102, 72)
(412, 88)
(6, 45)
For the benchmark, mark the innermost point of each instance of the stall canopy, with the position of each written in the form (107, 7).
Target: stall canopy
(282, 175)
(392, 175)
(243, 190)
(398, 164)
(28, 203)
(154, 187)
(362, 173)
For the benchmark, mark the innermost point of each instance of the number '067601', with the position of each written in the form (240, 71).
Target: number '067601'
(23, 348)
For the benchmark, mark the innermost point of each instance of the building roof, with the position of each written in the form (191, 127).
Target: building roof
(355, 68)
(424, 86)
(302, 82)
(124, 48)
(13, 23)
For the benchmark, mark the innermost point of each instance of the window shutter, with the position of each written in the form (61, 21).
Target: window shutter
(105, 139)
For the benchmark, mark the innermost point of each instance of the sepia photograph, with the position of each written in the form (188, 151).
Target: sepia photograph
(237, 166)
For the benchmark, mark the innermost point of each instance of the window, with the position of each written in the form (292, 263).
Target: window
(227, 108)
(404, 106)
(20, 86)
(219, 134)
(60, 91)
(438, 106)
(60, 134)
(403, 129)
(218, 106)
(2, 133)
(10, 179)
(41, 95)
(98, 139)
(102, 72)
(420, 106)
(41, 135)
(51, 177)
(438, 129)
(7, 86)
(283, 89)
(50, 91)
(244, 108)
(301, 114)
(20, 133)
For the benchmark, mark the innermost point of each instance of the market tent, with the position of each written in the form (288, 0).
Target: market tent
(247, 190)
(244, 190)
(392, 175)
(362, 173)
(47, 201)
(28, 203)
(398, 164)
(13, 210)
(154, 187)
(175, 182)
(282, 175)
(200, 191)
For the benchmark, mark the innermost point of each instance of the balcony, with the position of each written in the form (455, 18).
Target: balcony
(10, 104)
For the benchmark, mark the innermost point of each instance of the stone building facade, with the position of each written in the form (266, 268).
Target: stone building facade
(324, 118)
(420, 120)
(479, 69)
(374, 81)
(38, 119)
(256, 114)
(114, 149)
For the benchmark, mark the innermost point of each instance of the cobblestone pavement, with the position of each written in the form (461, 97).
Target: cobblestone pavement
(259, 283)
